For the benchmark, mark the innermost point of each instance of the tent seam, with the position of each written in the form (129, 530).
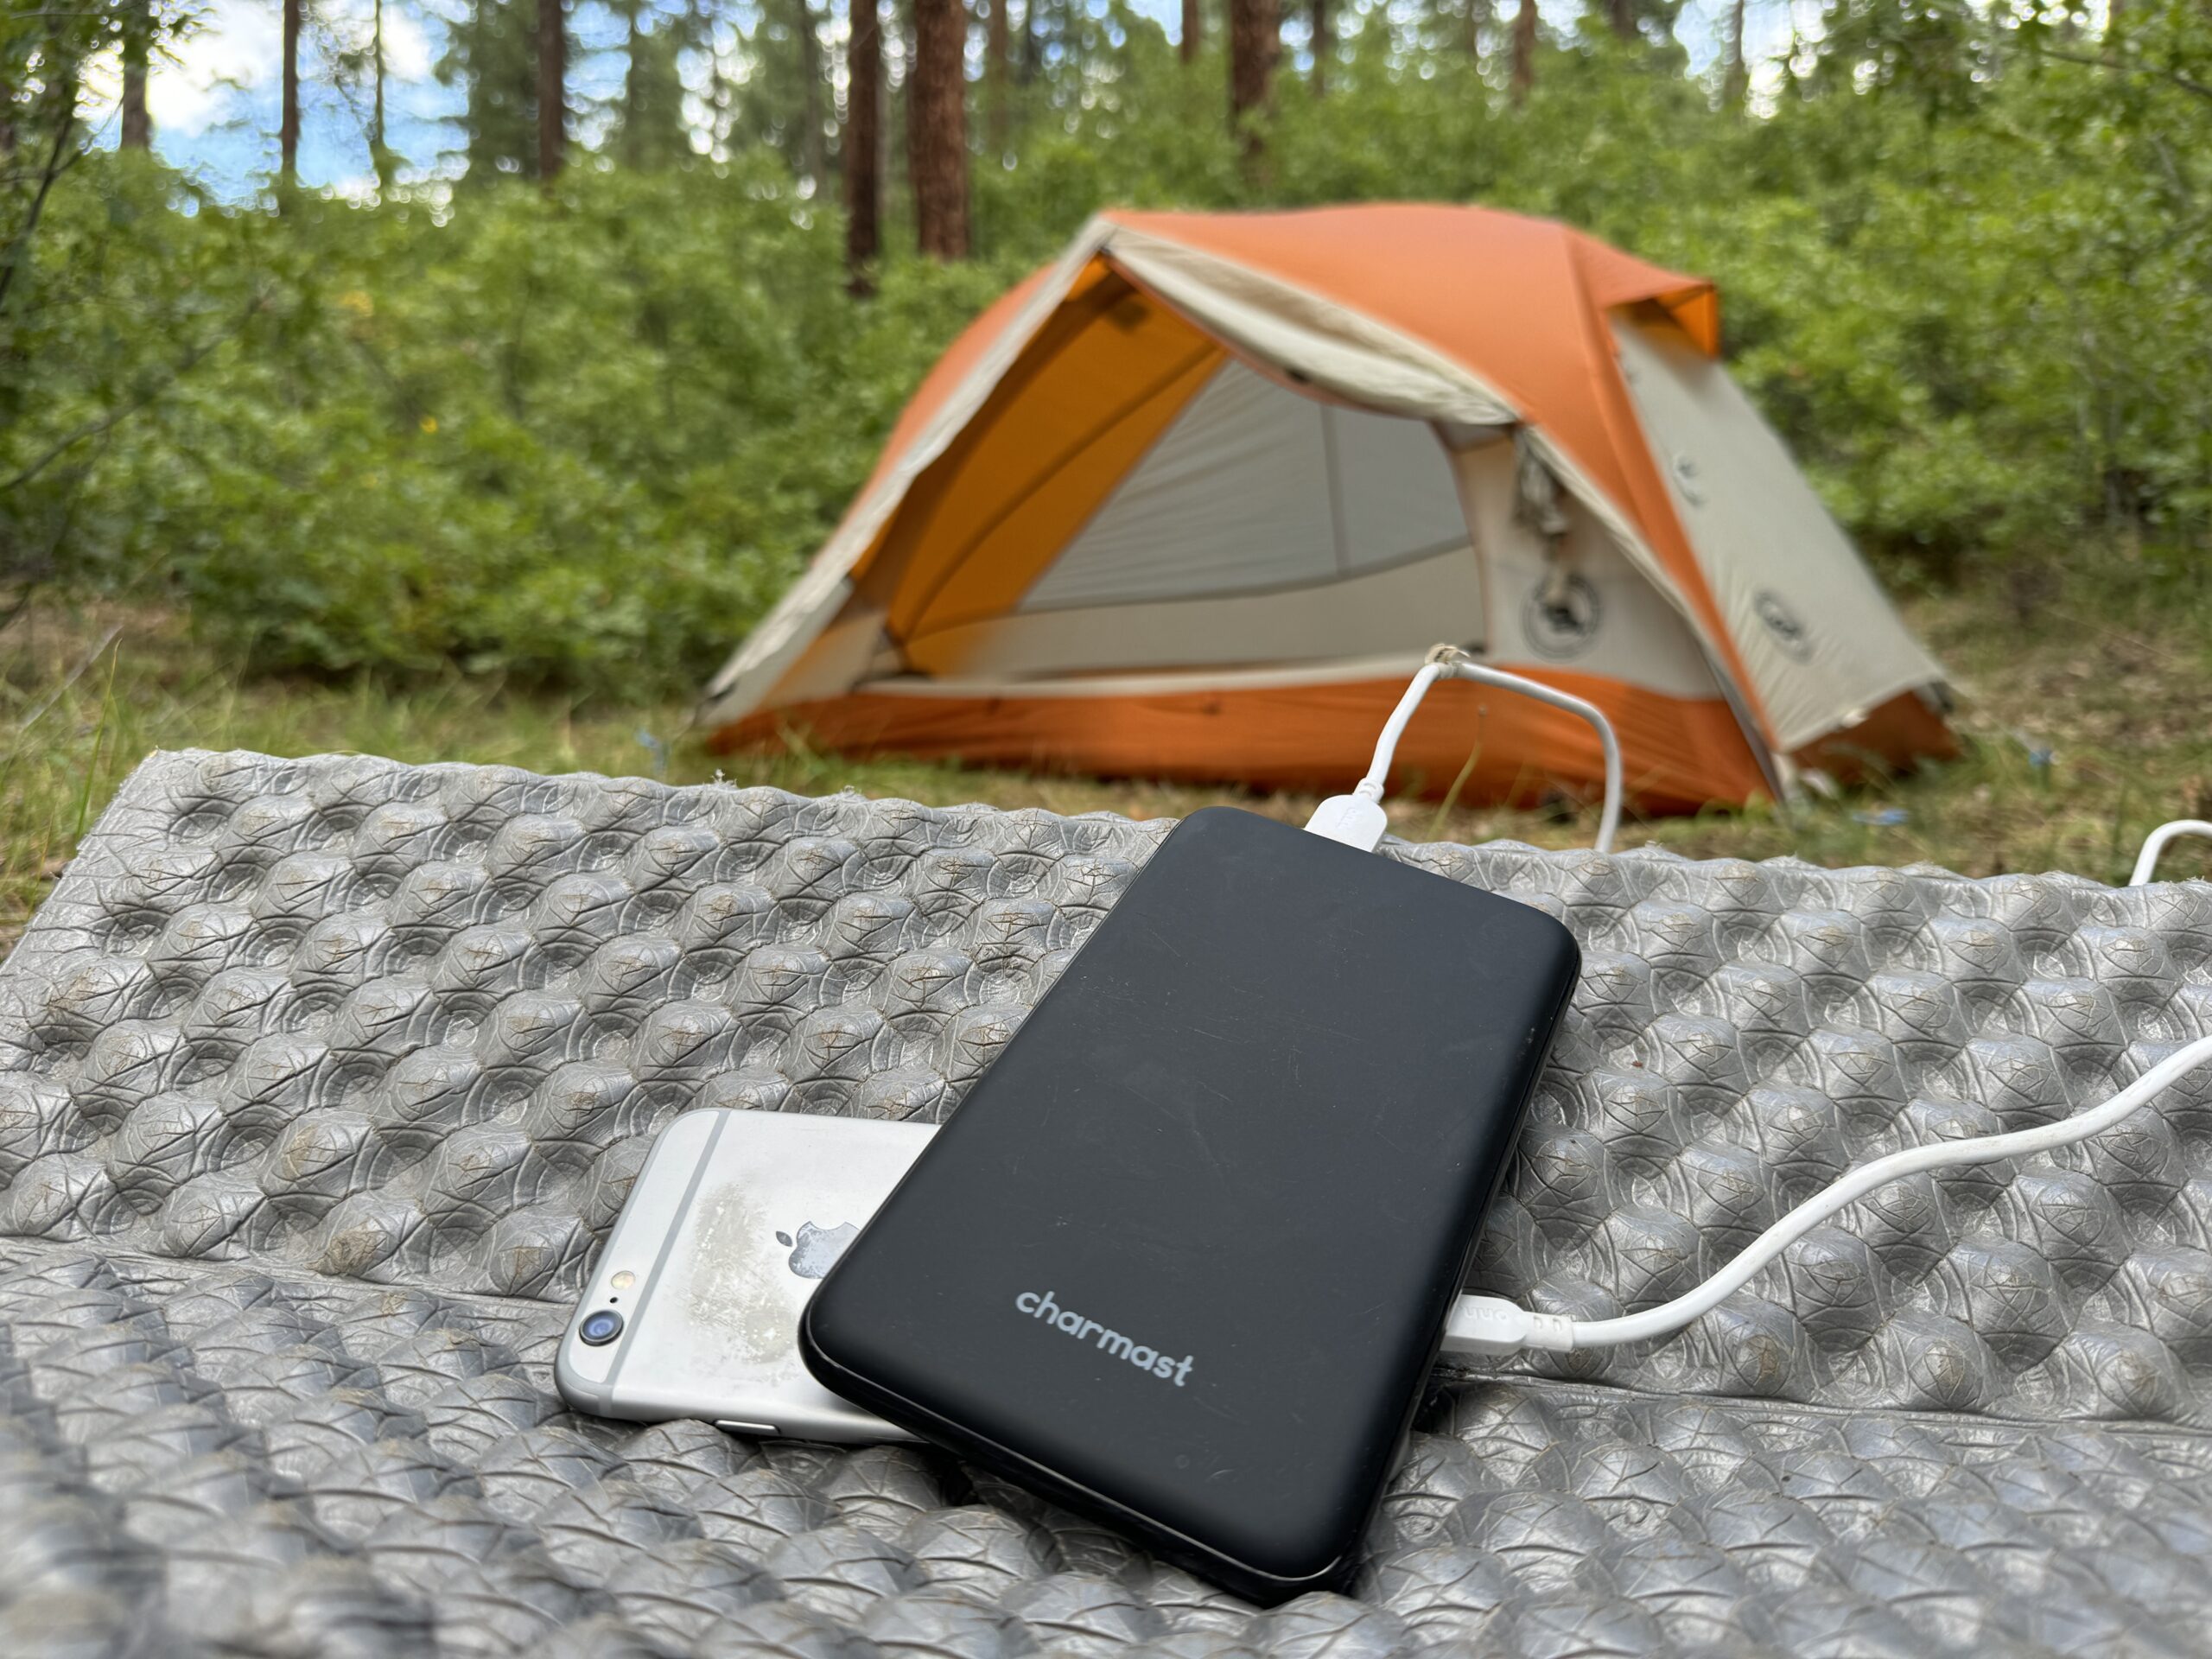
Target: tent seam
(1727, 657)
(1335, 490)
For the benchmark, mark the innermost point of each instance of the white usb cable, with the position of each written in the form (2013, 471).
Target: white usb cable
(2146, 861)
(1358, 819)
(1490, 1325)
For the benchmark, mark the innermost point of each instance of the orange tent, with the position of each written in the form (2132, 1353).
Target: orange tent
(1192, 501)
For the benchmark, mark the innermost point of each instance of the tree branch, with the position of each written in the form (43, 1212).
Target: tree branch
(68, 162)
(72, 677)
(19, 249)
(123, 412)
(37, 574)
(2186, 83)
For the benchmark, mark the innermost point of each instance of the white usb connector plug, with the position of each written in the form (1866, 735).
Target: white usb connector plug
(1490, 1326)
(1357, 819)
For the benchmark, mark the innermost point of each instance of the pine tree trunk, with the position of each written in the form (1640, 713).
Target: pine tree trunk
(1524, 50)
(939, 163)
(1325, 46)
(1254, 43)
(814, 149)
(1194, 30)
(136, 131)
(900, 147)
(288, 124)
(1621, 14)
(998, 44)
(629, 143)
(1739, 74)
(552, 89)
(863, 143)
(1476, 17)
(379, 144)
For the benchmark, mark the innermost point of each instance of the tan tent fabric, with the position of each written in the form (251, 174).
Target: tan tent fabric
(1814, 626)
(1256, 488)
(1192, 501)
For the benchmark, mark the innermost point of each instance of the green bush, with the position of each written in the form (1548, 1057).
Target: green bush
(584, 440)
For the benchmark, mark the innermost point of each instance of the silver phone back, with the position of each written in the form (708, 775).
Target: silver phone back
(731, 1224)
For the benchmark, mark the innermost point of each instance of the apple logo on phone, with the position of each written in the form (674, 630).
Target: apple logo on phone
(818, 1248)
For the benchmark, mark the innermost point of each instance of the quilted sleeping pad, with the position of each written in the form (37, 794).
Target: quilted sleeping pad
(322, 1080)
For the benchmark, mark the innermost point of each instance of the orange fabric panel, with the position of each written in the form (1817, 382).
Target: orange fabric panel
(1519, 301)
(1677, 754)
(1109, 370)
(1903, 730)
(1503, 295)
(1699, 311)
(1038, 522)
(952, 368)
(1613, 278)
(946, 374)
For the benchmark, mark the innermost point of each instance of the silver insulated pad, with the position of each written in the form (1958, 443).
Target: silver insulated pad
(324, 1078)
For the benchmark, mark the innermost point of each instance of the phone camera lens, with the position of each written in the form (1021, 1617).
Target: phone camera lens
(600, 1328)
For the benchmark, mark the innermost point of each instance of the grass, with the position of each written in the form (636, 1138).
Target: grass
(2086, 726)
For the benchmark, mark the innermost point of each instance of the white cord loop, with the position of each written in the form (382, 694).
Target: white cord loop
(1357, 819)
(2146, 861)
(1489, 1325)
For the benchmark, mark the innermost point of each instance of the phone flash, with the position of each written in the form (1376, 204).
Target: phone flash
(622, 1281)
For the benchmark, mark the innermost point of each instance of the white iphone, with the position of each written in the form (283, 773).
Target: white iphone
(693, 1306)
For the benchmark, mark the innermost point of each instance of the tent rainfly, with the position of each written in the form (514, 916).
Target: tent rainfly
(1192, 502)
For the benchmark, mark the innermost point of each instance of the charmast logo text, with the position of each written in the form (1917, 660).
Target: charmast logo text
(1041, 1305)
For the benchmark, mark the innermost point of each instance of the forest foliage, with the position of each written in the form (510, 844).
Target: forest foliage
(582, 435)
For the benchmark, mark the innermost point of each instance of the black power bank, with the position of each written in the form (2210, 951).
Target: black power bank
(1183, 1258)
